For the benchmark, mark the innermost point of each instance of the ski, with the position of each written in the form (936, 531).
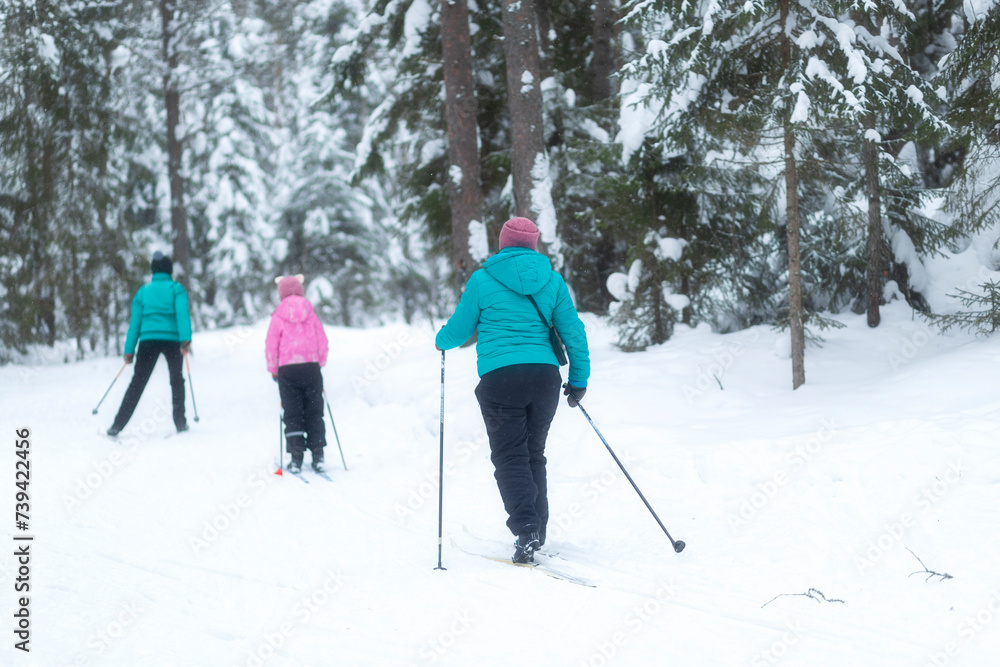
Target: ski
(487, 544)
(544, 568)
(322, 475)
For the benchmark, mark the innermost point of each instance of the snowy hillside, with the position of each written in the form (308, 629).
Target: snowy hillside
(806, 514)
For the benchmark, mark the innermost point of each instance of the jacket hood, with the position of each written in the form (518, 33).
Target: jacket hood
(520, 269)
(294, 308)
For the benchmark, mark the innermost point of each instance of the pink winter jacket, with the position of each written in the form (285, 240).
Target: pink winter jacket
(295, 335)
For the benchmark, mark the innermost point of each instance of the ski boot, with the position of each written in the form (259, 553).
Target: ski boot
(526, 544)
(317, 460)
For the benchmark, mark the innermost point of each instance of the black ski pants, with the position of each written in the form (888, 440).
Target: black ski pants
(301, 390)
(518, 403)
(146, 356)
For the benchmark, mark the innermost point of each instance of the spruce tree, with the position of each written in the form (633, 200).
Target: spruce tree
(68, 175)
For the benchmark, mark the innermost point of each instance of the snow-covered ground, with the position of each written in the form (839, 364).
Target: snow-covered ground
(809, 515)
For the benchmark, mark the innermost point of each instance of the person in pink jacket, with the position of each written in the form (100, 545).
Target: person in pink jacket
(296, 349)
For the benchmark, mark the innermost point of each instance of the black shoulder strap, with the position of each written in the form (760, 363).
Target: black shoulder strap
(538, 310)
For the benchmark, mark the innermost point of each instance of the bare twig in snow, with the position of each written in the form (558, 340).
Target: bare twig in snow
(811, 593)
(930, 573)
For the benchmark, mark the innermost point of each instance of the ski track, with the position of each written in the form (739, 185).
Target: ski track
(342, 572)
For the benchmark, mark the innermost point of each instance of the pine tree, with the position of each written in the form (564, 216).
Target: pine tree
(982, 311)
(969, 73)
(67, 174)
(769, 80)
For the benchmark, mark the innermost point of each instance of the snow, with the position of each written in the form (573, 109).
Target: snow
(800, 113)
(527, 82)
(977, 10)
(418, 17)
(667, 248)
(479, 244)
(617, 284)
(120, 56)
(47, 49)
(636, 117)
(656, 47)
(807, 514)
(804, 512)
(455, 175)
(595, 131)
(544, 208)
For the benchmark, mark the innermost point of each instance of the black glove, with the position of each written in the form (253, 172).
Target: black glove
(185, 346)
(573, 394)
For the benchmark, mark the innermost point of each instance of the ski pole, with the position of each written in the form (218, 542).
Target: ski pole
(678, 544)
(330, 412)
(281, 442)
(94, 412)
(187, 362)
(441, 472)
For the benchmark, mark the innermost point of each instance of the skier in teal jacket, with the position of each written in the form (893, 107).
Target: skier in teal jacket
(160, 324)
(519, 372)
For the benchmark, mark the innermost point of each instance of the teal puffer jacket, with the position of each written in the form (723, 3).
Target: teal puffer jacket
(510, 331)
(159, 312)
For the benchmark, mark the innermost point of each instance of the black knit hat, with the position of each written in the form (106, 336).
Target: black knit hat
(161, 263)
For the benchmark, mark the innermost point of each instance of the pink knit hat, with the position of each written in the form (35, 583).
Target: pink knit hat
(288, 285)
(520, 233)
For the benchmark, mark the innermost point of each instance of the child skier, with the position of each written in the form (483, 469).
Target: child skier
(296, 348)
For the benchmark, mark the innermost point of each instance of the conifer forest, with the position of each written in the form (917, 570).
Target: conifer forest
(727, 163)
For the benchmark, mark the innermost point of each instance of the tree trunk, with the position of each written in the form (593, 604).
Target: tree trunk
(796, 316)
(873, 283)
(602, 86)
(525, 95)
(465, 193)
(796, 319)
(175, 150)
